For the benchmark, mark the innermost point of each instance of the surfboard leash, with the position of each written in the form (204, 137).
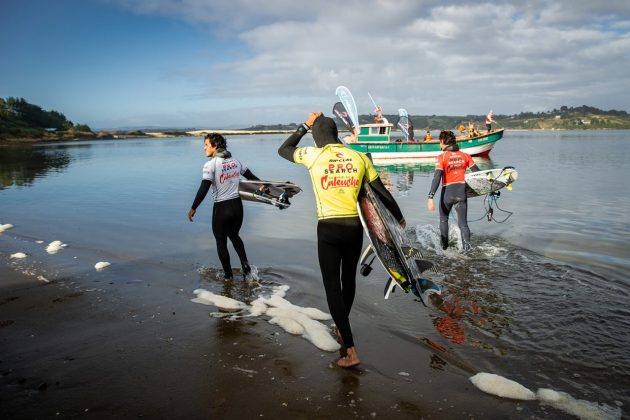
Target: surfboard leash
(490, 201)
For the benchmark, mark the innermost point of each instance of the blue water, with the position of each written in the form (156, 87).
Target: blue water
(543, 297)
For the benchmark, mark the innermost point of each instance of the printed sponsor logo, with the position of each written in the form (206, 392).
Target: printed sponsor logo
(227, 176)
(337, 182)
(341, 168)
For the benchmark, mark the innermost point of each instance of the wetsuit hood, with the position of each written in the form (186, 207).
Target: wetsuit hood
(223, 153)
(324, 131)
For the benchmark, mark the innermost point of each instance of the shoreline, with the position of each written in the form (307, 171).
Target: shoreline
(112, 348)
(200, 133)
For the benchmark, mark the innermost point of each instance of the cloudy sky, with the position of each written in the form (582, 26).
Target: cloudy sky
(234, 63)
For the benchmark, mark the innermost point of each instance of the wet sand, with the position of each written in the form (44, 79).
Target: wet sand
(132, 349)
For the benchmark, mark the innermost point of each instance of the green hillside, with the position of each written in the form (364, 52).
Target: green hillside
(20, 119)
(565, 118)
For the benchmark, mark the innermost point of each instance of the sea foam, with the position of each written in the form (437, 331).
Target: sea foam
(55, 246)
(6, 226)
(101, 265)
(294, 319)
(507, 388)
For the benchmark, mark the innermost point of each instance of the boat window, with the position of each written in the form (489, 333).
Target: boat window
(382, 130)
(374, 130)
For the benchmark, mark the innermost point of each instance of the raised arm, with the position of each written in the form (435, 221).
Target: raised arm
(287, 148)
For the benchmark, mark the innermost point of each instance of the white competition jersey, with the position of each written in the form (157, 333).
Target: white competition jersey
(224, 174)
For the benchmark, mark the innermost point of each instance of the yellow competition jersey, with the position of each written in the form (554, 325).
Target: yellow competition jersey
(337, 174)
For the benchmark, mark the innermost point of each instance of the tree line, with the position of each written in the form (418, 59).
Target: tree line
(18, 118)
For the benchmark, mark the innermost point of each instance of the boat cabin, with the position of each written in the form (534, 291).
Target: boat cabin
(375, 132)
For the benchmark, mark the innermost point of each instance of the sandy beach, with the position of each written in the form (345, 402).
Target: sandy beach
(142, 350)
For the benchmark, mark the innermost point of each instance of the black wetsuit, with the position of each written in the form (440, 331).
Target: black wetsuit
(452, 195)
(339, 242)
(227, 219)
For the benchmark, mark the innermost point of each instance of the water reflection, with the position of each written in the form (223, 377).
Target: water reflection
(398, 177)
(21, 166)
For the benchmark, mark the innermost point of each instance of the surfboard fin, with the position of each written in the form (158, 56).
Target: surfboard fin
(366, 254)
(411, 252)
(390, 286)
(424, 265)
(424, 288)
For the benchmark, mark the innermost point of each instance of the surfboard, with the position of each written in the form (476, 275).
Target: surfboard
(269, 192)
(492, 180)
(389, 244)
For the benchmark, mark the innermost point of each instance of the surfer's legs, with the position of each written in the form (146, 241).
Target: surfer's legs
(227, 218)
(339, 245)
(462, 222)
(349, 262)
(446, 205)
(236, 210)
(220, 235)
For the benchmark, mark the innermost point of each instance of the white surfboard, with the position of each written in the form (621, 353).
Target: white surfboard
(492, 180)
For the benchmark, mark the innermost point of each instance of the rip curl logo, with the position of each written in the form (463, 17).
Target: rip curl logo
(327, 182)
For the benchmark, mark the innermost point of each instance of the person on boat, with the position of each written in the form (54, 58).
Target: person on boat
(379, 119)
(450, 169)
(428, 136)
(337, 174)
(222, 172)
(489, 121)
(472, 131)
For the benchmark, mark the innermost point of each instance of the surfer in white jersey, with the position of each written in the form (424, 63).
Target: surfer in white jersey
(222, 172)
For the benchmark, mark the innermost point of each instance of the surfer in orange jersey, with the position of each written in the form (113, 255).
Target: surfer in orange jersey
(450, 168)
(337, 173)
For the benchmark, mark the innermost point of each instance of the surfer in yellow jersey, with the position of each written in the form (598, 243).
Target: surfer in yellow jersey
(337, 174)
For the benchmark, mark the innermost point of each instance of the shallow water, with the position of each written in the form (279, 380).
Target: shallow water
(542, 298)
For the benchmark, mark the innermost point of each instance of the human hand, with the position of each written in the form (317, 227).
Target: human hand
(191, 214)
(310, 119)
(430, 204)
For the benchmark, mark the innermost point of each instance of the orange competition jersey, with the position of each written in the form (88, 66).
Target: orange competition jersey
(453, 166)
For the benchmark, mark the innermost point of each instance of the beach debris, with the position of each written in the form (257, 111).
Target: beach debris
(42, 278)
(55, 246)
(101, 265)
(5, 227)
(502, 387)
(404, 374)
(249, 371)
(18, 255)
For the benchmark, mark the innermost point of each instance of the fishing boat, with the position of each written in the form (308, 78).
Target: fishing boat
(376, 139)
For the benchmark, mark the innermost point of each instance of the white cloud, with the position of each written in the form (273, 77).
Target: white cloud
(462, 57)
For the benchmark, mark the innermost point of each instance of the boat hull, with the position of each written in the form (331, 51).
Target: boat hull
(381, 150)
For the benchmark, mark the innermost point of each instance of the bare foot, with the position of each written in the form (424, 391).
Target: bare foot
(351, 359)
